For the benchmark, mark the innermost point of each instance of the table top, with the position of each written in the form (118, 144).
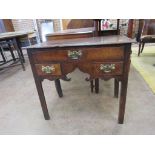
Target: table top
(72, 31)
(92, 41)
(8, 35)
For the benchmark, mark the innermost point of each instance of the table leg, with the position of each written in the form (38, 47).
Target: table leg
(42, 98)
(92, 85)
(122, 101)
(116, 88)
(20, 49)
(97, 85)
(19, 53)
(58, 87)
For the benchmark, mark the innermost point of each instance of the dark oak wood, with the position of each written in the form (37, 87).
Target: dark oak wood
(56, 53)
(124, 84)
(71, 34)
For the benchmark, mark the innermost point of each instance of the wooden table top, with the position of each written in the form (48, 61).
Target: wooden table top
(73, 31)
(8, 35)
(106, 40)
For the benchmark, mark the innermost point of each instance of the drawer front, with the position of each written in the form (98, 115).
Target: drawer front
(80, 54)
(48, 69)
(109, 68)
(106, 53)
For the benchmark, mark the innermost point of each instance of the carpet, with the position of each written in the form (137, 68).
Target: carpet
(144, 64)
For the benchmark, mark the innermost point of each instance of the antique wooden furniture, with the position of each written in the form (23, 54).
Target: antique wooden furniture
(100, 57)
(146, 33)
(71, 34)
(14, 38)
(77, 23)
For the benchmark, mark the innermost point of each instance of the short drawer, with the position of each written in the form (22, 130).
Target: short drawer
(48, 69)
(80, 54)
(109, 68)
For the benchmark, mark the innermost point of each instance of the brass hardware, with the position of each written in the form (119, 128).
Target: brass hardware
(107, 68)
(48, 69)
(74, 54)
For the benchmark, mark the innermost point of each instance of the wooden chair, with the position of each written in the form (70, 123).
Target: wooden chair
(146, 33)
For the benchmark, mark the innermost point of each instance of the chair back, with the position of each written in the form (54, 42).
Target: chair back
(148, 27)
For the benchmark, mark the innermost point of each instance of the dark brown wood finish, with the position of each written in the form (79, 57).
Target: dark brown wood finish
(71, 34)
(100, 57)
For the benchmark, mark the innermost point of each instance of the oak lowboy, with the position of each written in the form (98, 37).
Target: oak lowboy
(100, 57)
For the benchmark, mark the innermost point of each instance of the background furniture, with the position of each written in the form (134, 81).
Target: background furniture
(77, 23)
(146, 33)
(101, 57)
(71, 34)
(6, 25)
(9, 45)
(13, 38)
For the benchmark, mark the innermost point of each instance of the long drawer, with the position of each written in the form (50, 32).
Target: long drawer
(79, 54)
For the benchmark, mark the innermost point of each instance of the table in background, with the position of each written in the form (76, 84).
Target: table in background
(15, 37)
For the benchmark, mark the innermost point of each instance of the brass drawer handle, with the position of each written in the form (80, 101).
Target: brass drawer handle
(107, 68)
(74, 54)
(48, 69)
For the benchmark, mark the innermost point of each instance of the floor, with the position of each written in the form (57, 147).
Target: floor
(78, 112)
(145, 64)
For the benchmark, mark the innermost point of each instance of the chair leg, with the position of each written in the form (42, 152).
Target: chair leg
(143, 44)
(116, 88)
(97, 85)
(139, 48)
(58, 87)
